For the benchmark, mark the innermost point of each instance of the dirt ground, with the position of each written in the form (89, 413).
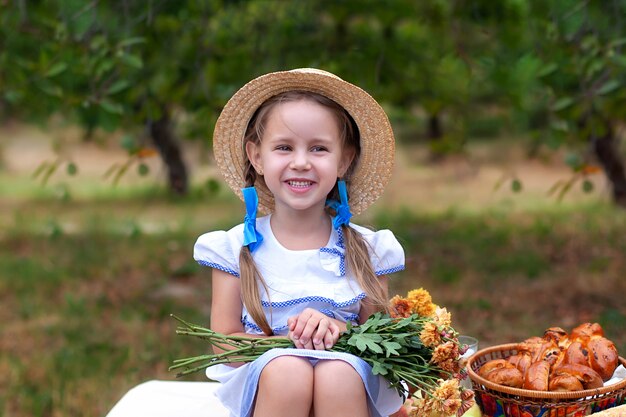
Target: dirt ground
(466, 182)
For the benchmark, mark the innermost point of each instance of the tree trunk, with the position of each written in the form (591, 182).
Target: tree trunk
(434, 128)
(434, 134)
(606, 151)
(162, 135)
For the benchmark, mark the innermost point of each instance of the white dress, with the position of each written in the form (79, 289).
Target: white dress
(296, 280)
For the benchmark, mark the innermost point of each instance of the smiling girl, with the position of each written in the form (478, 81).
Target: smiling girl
(308, 149)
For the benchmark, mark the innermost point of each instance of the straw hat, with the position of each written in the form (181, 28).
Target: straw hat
(376, 161)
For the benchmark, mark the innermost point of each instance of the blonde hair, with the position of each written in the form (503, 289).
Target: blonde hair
(357, 253)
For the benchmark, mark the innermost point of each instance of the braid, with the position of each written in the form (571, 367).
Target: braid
(359, 262)
(250, 275)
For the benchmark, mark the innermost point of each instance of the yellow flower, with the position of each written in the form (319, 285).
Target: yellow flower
(400, 307)
(430, 334)
(447, 397)
(442, 317)
(446, 357)
(422, 407)
(422, 302)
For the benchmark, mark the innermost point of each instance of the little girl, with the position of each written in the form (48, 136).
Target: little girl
(309, 150)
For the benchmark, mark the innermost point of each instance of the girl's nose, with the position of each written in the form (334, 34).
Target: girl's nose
(300, 161)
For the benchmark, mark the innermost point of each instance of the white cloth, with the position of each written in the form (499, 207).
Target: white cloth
(170, 399)
(296, 280)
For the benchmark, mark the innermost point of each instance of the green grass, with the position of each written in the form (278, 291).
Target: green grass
(85, 309)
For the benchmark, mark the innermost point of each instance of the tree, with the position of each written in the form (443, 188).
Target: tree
(582, 51)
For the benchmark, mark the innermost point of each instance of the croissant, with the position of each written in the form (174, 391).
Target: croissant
(521, 361)
(500, 371)
(586, 330)
(590, 347)
(589, 378)
(537, 376)
(603, 357)
(539, 349)
(576, 353)
(584, 359)
(564, 382)
(558, 336)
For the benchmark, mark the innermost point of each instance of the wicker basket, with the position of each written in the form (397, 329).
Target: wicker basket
(499, 401)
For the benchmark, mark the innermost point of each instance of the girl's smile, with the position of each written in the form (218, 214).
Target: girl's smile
(301, 155)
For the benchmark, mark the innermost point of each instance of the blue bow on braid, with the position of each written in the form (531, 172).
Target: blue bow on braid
(251, 237)
(342, 208)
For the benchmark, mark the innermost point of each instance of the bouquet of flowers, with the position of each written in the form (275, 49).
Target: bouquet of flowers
(414, 347)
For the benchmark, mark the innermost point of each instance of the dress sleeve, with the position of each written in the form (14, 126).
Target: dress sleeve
(220, 250)
(387, 254)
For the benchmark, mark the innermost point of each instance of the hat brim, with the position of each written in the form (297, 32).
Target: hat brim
(376, 161)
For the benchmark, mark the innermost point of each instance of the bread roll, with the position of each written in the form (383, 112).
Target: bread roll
(586, 330)
(558, 336)
(537, 376)
(521, 361)
(589, 378)
(603, 357)
(577, 353)
(500, 371)
(491, 365)
(564, 382)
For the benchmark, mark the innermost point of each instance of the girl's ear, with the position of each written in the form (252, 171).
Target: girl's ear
(253, 151)
(347, 157)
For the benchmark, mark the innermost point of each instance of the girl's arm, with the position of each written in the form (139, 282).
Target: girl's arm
(226, 307)
(369, 309)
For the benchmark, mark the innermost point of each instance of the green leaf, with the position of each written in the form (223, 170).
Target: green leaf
(56, 69)
(608, 87)
(617, 42)
(40, 169)
(51, 89)
(103, 67)
(391, 348)
(131, 41)
(565, 189)
(132, 61)
(72, 169)
(128, 142)
(213, 186)
(562, 103)
(404, 322)
(555, 187)
(574, 161)
(111, 170)
(380, 368)
(143, 169)
(371, 322)
(619, 59)
(118, 86)
(366, 341)
(587, 186)
(547, 69)
(111, 106)
(516, 185)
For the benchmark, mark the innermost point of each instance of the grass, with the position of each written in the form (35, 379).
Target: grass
(89, 273)
(86, 313)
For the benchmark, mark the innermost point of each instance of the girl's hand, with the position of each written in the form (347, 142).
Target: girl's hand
(312, 329)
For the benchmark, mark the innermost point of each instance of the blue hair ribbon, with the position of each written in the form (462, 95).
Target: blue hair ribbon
(342, 208)
(251, 237)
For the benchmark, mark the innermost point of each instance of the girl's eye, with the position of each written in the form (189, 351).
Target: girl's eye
(283, 148)
(319, 149)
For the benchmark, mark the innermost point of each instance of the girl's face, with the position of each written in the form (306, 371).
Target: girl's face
(300, 155)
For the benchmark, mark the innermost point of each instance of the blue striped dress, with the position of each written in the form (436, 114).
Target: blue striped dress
(313, 278)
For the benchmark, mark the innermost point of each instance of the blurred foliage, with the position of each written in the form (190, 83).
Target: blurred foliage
(553, 68)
